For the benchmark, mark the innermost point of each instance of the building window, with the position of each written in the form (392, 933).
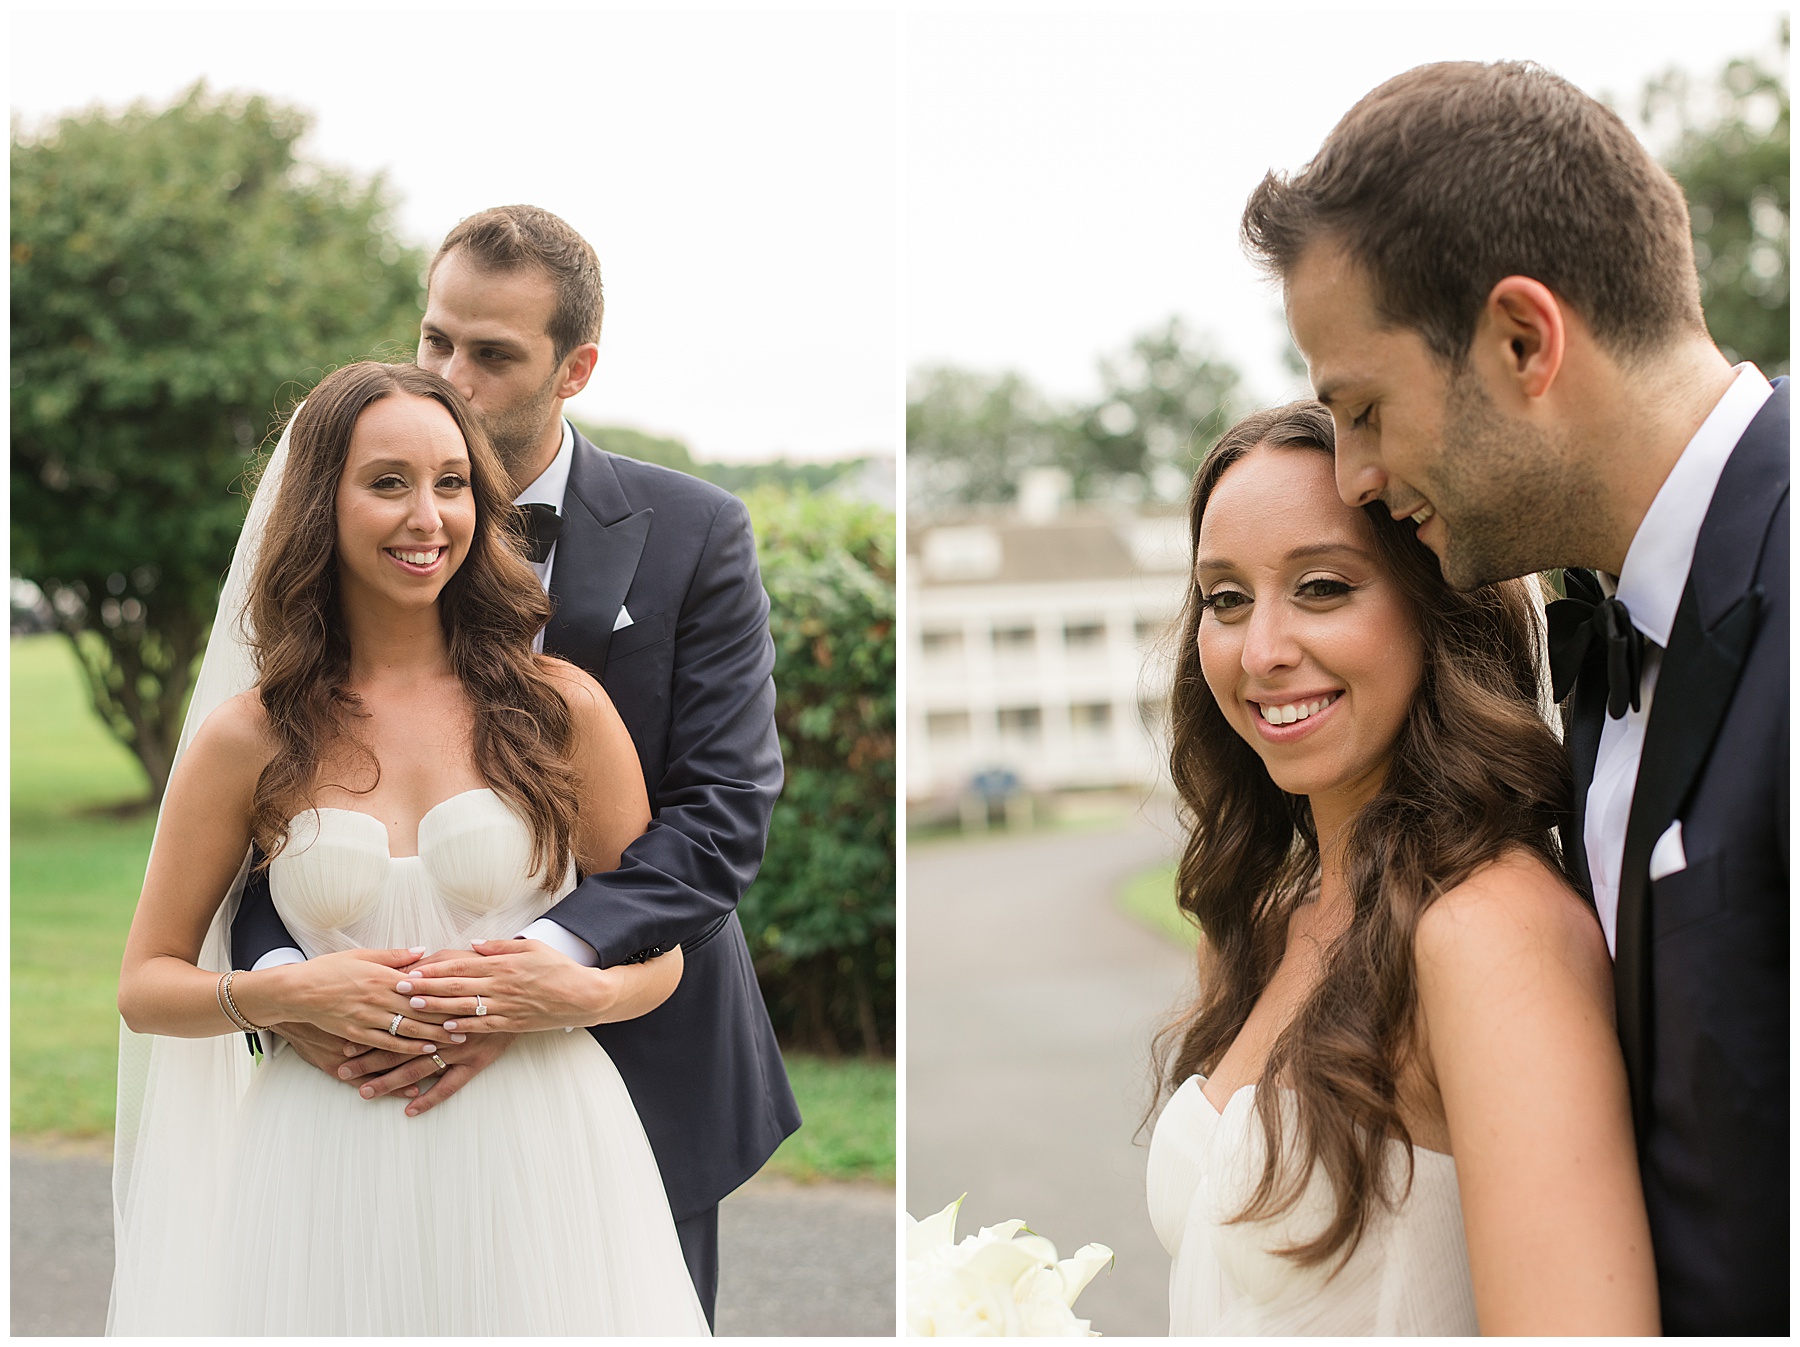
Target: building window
(1020, 722)
(1017, 638)
(1154, 713)
(1091, 718)
(1149, 629)
(943, 726)
(1084, 634)
(942, 641)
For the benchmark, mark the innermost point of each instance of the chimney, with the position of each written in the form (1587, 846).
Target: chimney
(1042, 492)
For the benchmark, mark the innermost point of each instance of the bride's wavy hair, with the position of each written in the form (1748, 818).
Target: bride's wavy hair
(491, 609)
(1474, 773)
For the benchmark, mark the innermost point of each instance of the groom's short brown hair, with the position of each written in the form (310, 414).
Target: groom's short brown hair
(1449, 178)
(505, 238)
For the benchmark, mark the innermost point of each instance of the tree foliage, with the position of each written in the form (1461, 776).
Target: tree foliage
(820, 917)
(1166, 400)
(171, 271)
(1730, 155)
(971, 437)
(737, 478)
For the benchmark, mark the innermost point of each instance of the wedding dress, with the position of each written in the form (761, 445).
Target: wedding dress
(1408, 1275)
(529, 1203)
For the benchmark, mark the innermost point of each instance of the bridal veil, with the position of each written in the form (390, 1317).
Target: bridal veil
(177, 1096)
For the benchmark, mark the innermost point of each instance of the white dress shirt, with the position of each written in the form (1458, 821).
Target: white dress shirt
(548, 489)
(1650, 585)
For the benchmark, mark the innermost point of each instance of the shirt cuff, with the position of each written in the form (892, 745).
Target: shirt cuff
(564, 941)
(275, 958)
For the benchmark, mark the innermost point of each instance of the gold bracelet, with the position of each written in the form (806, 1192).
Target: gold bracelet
(229, 1006)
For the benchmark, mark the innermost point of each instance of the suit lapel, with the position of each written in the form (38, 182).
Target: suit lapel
(1708, 645)
(597, 557)
(1693, 691)
(1581, 735)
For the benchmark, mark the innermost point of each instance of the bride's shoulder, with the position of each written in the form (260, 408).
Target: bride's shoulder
(230, 749)
(238, 726)
(1514, 917)
(580, 689)
(587, 701)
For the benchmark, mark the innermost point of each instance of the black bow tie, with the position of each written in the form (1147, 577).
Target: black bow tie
(540, 524)
(1585, 622)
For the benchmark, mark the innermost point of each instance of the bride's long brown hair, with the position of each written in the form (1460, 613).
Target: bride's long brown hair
(491, 609)
(1474, 773)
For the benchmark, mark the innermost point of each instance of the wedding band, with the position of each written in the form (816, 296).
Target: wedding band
(479, 1008)
(442, 1065)
(394, 1028)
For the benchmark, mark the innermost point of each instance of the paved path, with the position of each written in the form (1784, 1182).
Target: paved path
(1030, 1005)
(795, 1260)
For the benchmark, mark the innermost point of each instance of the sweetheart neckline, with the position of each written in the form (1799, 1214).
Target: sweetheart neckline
(1249, 1086)
(334, 809)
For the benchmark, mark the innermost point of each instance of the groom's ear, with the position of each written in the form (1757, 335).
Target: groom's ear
(577, 369)
(1522, 335)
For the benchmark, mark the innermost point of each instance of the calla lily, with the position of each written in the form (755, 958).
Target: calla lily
(1004, 1281)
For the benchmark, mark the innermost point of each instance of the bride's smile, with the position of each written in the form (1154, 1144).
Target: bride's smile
(405, 512)
(1305, 640)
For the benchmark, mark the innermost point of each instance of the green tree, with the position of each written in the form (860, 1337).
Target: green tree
(969, 436)
(1166, 400)
(1730, 155)
(820, 917)
(173, 272)
(737, 478)
(658, 449)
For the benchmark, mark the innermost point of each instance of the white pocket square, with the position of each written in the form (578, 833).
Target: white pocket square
(623, 620)
(1667, 857)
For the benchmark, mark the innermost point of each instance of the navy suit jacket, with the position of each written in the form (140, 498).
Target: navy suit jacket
(1701, 969)
(692, 680)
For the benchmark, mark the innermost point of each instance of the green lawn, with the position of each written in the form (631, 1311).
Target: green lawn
(848, 1133)
(75, 878)
(1149, 897)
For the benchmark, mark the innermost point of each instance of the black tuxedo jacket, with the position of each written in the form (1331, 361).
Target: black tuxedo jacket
(691, 678)
(1701, 969)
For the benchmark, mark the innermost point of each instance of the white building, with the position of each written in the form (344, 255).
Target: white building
(1041, 644)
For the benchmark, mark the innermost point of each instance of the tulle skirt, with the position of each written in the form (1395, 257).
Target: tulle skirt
(528, 1203)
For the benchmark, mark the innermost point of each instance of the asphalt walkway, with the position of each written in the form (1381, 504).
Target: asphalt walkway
(1031, 1001)
(795, 1260)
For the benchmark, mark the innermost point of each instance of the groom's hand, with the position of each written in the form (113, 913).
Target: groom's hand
(419, 1080)
(321, 1048)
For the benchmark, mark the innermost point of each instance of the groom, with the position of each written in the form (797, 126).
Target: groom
(654, 580)
(1494, 288)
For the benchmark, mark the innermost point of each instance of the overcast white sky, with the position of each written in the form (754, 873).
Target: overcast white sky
(1073, 179)
(793, 207)
(736, 173)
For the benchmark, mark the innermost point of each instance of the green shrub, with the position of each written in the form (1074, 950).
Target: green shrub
(820, 918)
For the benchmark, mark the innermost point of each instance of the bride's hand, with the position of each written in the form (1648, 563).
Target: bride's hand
(349, 994)
(525, 986)
(421, 1082)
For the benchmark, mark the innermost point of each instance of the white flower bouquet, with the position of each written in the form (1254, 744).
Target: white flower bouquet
(1004, 1282)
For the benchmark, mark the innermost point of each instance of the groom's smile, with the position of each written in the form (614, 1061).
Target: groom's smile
(1385, 389)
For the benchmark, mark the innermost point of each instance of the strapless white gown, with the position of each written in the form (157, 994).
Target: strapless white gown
(1409, 1274)
(528, 1203)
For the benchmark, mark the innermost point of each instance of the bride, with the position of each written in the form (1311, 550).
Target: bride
(418, 780)
(1398, 1105)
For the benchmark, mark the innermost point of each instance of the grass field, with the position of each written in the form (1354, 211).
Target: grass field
(75, 879)
(1149, 897)
(76, 870)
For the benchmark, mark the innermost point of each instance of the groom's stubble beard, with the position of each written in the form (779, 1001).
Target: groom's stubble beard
(517, 432)
(1514, 500)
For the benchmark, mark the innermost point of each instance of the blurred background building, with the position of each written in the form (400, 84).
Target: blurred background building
(1033, 639)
